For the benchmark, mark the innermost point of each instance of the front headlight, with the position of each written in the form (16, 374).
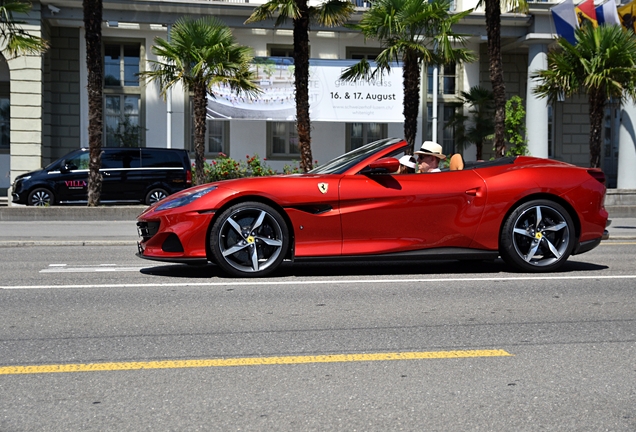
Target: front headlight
(185, 199)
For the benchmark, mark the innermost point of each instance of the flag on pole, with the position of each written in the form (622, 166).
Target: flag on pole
(607, 13)
(586, 13)
(565, 20)
(626, 14)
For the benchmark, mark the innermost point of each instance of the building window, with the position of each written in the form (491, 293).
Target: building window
(123, 102)
(359, 134)
(5, 122)
(361, 53)
(281, 50)
(447, 79)
(121, 65)
(122, 116)
(282, 140)
(217, 135)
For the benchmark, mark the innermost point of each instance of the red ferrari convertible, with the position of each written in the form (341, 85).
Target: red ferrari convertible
(534, 213)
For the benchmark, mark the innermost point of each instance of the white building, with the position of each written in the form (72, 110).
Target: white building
(48, 99)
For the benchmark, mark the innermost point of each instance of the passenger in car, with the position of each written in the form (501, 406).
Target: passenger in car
(428, 157)
(408, 164)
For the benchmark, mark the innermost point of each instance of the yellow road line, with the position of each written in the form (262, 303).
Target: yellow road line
(248, 361)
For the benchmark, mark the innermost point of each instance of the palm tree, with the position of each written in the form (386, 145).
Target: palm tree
(17, 41)
(481, 103)
(493, 31)
(95, 67)
(330, 13)
(412, 32)
(602, 64)
(200, 54)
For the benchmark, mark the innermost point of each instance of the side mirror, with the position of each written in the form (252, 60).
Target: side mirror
(385, 165)
(66, 167)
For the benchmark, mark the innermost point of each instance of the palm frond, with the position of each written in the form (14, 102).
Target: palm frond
(333, 13)
(17, 40)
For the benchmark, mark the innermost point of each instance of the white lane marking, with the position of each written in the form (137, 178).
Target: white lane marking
(246, 283)
(87, 268)
(90, 269)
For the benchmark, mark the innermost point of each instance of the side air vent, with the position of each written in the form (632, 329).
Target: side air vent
(314, 209)
(172, 244)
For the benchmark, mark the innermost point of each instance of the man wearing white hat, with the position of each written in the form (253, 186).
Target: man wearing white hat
(428, 157)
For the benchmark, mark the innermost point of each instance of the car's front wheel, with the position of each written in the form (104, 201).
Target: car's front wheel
(41, 197)
(538, 236)
(249, 240)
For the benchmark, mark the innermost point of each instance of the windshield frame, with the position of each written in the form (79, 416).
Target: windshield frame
(345, 162)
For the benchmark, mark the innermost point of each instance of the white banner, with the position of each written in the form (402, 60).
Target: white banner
(330, 99)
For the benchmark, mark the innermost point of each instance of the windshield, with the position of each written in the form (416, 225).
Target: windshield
(347, 160)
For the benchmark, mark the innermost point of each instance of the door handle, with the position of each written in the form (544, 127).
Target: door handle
(474, 192)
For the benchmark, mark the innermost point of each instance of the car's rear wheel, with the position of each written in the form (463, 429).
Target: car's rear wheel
(41, 197)
(155, 195)
(538, 236)
(249, 240)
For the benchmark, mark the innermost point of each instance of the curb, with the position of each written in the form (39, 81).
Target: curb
(61, 213)
(26, 243)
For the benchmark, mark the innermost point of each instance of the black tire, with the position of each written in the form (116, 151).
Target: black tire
(41, 197)
(538, 236)
(155, 195)
(249, 240)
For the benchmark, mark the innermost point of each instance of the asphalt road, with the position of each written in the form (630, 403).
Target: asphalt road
(93, 338)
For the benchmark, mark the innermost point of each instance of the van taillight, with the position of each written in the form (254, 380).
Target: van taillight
(597, 174)
(189, 177)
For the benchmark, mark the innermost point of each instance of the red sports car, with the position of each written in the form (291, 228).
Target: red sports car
(534, 213)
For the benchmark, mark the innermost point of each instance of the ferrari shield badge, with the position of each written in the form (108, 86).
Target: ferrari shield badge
(323, 187)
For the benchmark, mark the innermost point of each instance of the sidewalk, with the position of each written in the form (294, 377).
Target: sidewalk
(124, 233)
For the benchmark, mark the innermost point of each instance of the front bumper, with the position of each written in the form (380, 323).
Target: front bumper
(180, 237)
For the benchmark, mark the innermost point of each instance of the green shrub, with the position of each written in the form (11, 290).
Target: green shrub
(225, 168)
(516, 127)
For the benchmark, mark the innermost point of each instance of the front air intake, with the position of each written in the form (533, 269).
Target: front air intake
(172, 244)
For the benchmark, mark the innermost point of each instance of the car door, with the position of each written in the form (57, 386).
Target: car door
(71, 178)
(117, 166)
(384, 213)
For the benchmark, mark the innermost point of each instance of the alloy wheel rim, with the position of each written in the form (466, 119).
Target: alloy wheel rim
(156, 196)
(41, 198)
(541, 236)
(250, 240)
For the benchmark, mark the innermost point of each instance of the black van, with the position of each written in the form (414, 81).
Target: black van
(130, 175)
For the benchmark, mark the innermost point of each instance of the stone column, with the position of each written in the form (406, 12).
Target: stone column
(536, 108)
(26, 114)
(627, 147)
(26, 104)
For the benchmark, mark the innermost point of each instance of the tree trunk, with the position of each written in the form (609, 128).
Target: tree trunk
(493, 28)
(200, 103)
(95, 66)
(301, 76)
(597, 112)
(411, 76)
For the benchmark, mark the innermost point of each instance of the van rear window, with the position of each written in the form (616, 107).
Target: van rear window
(161, 159)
